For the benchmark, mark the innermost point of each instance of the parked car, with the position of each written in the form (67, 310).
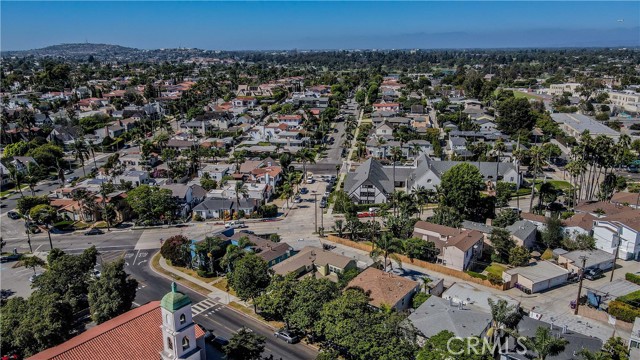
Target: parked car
(297, 199)
(68, 172)
(72, 179)
(594, 274)
(13, 215)
(12, 257)
(248, 232)
(94, 232)
(323, 204)
(239, 224)
(304, 190)
(96, 273)
(33, 277)
(287, 336)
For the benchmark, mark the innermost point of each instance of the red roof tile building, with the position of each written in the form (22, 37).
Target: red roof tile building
(157, 330)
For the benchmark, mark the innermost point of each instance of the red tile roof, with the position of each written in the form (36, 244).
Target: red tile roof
(135, 334)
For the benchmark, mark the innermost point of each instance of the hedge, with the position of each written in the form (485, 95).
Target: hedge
(476, 275)
(622, 311)
(633, 278)
(632, 299)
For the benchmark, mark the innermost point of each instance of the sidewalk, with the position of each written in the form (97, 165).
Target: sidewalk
(219, 295)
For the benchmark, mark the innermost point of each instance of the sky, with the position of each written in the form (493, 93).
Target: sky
(268, 25)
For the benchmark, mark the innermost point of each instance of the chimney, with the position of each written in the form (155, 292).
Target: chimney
(489, 222)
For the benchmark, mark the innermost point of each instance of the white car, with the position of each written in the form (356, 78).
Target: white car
(310, 181)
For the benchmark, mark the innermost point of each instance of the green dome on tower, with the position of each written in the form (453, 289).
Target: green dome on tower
(174, 300)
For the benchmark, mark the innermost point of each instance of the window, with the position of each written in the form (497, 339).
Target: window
(183, 319)
(185, 343)
(166, 318)
(169, 343)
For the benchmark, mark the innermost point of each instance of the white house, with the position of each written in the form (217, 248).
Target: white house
(620, 230)
(216, 172)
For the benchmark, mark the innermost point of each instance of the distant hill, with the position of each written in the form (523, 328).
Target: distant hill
(75, 50)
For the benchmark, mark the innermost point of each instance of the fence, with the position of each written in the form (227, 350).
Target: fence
(602, 316)
(420, 263)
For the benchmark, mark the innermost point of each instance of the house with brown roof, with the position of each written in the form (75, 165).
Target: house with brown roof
(626, 199)
(619, 232)
(386, 289)
(458, 248)
(319, 262)
(271, 252)
(157, 330)
(580, 223)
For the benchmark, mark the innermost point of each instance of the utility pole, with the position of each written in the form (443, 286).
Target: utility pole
(315, 206)
(615, 256)
(584, 262)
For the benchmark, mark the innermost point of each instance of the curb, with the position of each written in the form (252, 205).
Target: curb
(206, 295)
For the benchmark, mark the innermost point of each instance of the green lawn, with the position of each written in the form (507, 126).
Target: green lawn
(519, 94)
(495, 269)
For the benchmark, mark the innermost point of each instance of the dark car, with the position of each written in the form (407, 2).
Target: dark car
(304, 190)
(94, 232)
(323, 204)
(594, 274)
(13, 215)
(287, 336)
(218, 342)
(12, 257)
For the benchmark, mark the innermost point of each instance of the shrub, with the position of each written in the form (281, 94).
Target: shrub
(477, 275)
(173, 249)
(205, 273)
(197, 217)
(632, 299)
(495, 279)
(419, 299)
(622, 311)
(633, 278)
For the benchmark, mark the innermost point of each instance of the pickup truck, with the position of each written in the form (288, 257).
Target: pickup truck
(237, 224)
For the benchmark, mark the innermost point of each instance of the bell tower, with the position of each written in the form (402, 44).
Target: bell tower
(178, 328)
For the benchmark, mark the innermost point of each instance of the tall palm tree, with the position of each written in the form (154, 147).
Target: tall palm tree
(421, 196)
(31, 177)
(545, 344)
(81, 153)
(386, 247)
(305, 156)
(16, 176)
(499, 147)
(537, 161)
(504, 317)
(241, 189)
(396, 153)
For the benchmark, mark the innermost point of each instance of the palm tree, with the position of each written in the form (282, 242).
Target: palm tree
(421, 196)
(81, 153)
(306, 156)
(597, 355)
(386, 247)
(396, 153)
(240, 189)
(498, 148)
(339, 227)
(45, 215)
(16, 176)
(31, 177)
(545, 344)
(504, 317)
(32, 262)
(537, 160)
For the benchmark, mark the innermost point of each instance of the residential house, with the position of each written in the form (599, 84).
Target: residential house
(619, 233)
(523, 233)
(271, 252)
(457, 248)
(317, 261)
(179, 145)
(187, 196)
(370, 183)
(223, 208)
(535, 278)
(575, 124)
(594, 259)
(634, 340)
(437, 314)
(578, 224)
(292, 121)
(467, 294)
(576, 342)
(135, 177)
(626, 199)
(245, 102)
(387, 106)
(65, 135)
(216, 172)
(386, 289)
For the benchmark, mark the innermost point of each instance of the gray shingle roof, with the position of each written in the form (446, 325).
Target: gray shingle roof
(436, 315)
(522, 229)
(372, 171)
